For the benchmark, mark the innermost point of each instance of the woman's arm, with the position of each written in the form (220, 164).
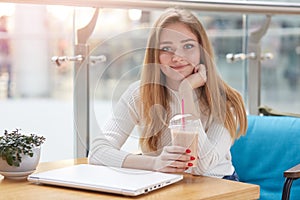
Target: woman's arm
(106, 147)
(186, 90)
(173, 159)
(215, 142)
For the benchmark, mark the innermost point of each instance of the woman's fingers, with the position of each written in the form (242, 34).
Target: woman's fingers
(196, 79)
(174, 159)
(202, 71)
(176, 153)
(175, 149)
(173, 170)
(178, 157)
(196, 69)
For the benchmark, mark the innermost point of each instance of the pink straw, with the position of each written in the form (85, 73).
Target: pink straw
(182, 112)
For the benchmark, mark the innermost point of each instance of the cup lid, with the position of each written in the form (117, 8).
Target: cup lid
(184, 120)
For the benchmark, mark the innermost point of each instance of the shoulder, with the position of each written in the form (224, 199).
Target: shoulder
(135, 86)
(133, 89)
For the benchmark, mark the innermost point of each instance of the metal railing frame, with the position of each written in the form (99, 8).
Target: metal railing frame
(81, 90)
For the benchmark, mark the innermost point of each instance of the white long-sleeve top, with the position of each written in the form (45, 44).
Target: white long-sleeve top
(213, 145)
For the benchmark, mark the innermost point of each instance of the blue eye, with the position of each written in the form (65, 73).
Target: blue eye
(167, 49)
(188, 46)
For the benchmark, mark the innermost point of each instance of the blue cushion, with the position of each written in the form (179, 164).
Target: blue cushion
(271, 146)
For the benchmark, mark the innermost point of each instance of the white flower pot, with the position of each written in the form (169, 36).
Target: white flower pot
(27, 166)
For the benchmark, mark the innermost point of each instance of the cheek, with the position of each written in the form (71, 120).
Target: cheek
(164, 69)
(194, 58)
(168, 72)
(163, 59)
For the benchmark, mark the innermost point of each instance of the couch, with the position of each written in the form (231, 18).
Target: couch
(270, 147)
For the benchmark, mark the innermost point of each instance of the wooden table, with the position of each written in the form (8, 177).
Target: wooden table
(191, 187)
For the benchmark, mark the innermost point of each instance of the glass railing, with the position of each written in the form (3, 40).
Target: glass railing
(273, 80)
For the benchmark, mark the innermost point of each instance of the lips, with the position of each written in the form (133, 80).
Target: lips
(178, 67)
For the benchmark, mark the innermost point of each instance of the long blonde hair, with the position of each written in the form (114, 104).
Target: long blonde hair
(222, 102)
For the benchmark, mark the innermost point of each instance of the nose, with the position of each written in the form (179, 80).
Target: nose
(177, 56)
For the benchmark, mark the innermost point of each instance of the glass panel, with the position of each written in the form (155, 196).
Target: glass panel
(40, 98)
(281, 75)
(36, 95)
(123, 42)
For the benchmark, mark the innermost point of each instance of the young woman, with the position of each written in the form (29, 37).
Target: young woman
(178, 65)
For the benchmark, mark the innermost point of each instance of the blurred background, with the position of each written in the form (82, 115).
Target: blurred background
(36, 95)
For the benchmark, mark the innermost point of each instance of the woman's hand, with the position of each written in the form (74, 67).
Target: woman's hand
(187, 86)
(173, 159)
(196, 79)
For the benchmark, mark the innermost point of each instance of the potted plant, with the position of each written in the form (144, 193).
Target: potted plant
(19, 153)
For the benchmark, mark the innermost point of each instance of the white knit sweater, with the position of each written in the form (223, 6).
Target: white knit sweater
(213, 150)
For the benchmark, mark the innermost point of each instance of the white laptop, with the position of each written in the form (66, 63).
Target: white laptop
(129, 182)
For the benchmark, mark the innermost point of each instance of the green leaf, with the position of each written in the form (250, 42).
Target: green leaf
(13, 144)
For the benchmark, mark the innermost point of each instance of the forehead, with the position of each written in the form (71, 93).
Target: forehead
(177, 31)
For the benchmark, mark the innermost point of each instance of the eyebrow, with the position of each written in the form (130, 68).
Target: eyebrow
(166, 42)
(188, 40)
(182, 41)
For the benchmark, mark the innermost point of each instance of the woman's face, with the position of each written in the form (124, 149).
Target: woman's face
(179, 52)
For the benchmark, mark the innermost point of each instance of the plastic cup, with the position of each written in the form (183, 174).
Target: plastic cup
(184, 132)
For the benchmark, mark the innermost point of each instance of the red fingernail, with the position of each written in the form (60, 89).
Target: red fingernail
(188, 151)
(190, 164)
(193, 158)
(186, 168)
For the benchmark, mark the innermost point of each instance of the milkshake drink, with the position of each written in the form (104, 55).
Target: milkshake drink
(184, 132)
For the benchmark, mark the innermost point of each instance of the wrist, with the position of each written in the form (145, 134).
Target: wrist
(140, 162)
(185, 85)
(152, 163)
